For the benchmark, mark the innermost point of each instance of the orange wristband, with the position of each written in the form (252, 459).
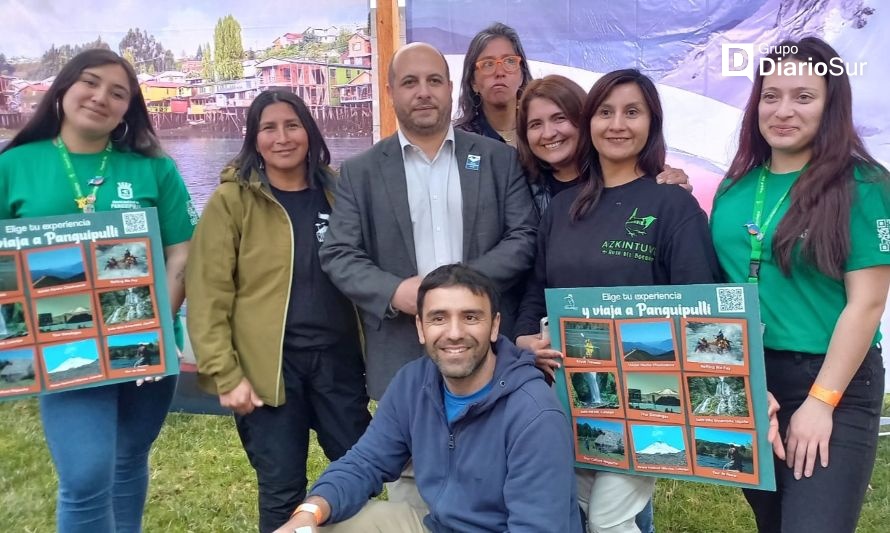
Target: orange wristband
(831, 397)
(309, 508)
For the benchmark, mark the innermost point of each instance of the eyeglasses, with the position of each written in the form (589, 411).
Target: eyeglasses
(488, 66)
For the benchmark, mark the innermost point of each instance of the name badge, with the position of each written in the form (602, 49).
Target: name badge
(473, 162)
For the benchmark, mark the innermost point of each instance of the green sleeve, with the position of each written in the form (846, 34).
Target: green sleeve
(5, 208)
(870, 223)
(176, 211)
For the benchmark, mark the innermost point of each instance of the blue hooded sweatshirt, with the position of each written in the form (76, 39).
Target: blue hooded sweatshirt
(505, 464)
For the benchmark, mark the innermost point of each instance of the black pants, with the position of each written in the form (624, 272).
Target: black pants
(830, 500)
(325, 392)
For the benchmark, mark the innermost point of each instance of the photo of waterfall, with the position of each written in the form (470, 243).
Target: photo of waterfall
(13, 323)
(718, 396)
(594, 393)
(128, 308)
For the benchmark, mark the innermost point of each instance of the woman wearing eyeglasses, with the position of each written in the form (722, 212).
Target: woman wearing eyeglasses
(495, 73)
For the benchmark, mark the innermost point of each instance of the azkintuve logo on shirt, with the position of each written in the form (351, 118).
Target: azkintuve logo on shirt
(635, 226)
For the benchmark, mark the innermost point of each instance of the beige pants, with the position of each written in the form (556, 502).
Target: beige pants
(381, 517)
(403, 513)
(616, 499)
(404, 490)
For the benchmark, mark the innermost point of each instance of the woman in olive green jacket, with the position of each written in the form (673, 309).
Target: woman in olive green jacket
(272, 336)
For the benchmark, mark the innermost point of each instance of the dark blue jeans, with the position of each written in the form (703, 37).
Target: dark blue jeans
(830, 500)
(99, 439)
(646, 519)
(324, 392)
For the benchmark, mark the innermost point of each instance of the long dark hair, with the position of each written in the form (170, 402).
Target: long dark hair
(822, 195)
(566, 95)
(469, 103)
(248, 159)
(137, 135)
(651, 158)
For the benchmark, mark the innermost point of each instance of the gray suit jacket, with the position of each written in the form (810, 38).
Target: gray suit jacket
(369, 246)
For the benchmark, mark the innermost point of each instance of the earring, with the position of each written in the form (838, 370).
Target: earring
(260, 162)
(126, 131)
(58, 110)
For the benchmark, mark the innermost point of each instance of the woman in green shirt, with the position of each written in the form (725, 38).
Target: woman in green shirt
(805, 212)
(90, 147)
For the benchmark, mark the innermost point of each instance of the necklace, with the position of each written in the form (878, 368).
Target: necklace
(508, 135)
(86, 203)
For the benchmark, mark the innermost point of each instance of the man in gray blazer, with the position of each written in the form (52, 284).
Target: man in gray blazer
(422, 198)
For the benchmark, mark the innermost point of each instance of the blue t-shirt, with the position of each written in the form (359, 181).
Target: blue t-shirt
(455, 405)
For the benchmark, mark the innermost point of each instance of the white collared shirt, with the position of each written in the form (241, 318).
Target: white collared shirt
(435, 202)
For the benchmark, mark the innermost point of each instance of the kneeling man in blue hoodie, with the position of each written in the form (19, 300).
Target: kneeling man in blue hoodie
(491, 447)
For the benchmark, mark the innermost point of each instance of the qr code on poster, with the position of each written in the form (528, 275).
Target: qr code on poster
(730, 300)
(135, 223)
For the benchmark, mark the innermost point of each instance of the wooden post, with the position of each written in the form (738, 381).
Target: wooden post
(387, 26)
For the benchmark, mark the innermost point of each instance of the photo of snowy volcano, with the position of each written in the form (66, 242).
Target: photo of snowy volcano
(659, 446)
(71, 362)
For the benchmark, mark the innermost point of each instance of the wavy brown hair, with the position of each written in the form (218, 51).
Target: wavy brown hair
(567, 96)
(651, 158)
(822, 195)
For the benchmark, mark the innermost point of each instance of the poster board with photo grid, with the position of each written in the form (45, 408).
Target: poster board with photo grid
(665, 381)
(83, 302)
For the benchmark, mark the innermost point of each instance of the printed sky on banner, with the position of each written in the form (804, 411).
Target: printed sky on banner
(28, 29)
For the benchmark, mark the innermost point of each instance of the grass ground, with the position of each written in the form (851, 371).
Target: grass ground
(201, 482)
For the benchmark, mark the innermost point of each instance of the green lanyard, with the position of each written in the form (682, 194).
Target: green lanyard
(756, 230)
(87, 203)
